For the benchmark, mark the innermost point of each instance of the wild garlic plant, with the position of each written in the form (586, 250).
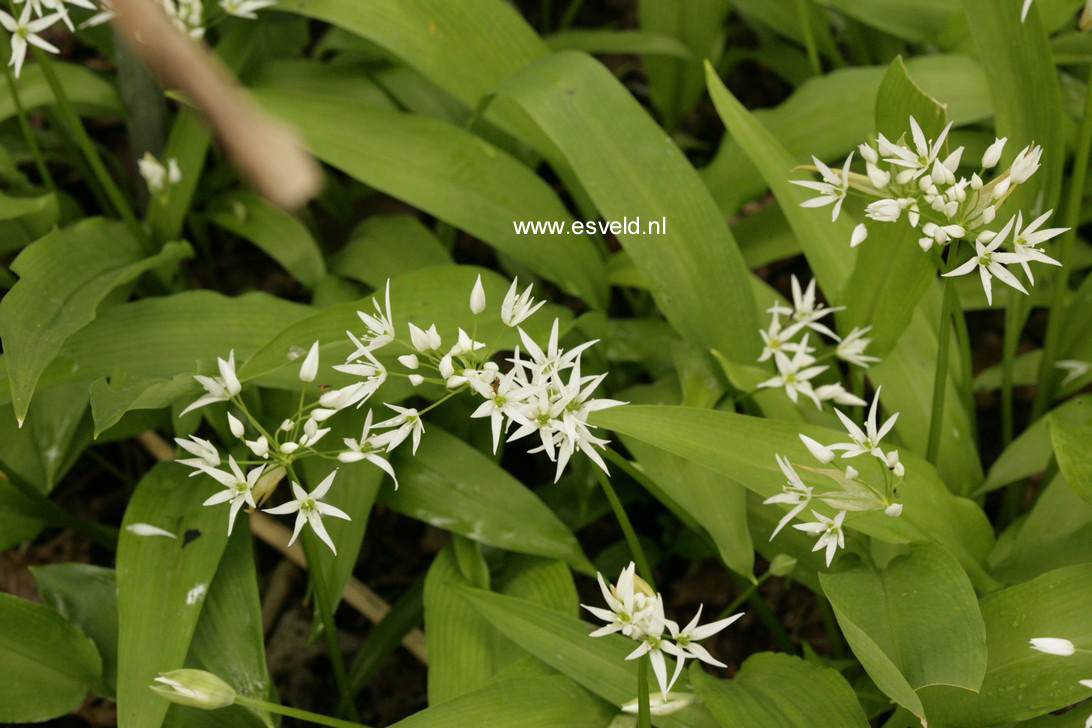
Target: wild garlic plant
(38, 16)
(636, 610)
(788, 345)
(915, 181)
(852, 492)
(540, 391)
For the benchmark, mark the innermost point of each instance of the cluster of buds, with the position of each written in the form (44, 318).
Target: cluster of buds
(159, 177)
(637, 611)
(853, 493)
(786, 342)
(37, 16)
(917, 181)
(542, 391)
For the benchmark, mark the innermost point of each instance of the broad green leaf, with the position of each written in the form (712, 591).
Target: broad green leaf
(518, 703)
(914, 20)
(385, 246)
(63, 277)
(912, 623)
(450, 173)
(1023, 83)
(466, 48)
(279, 234)
(20, 520)
(56, 432)
(825, 243)
(676, 84)
(892, 273)
(562, 642)
(229, 641)
(162, 584)
(596, 128)
(46, 664)
(845, 100)
(1020, 682)
(780, 691)
(455, 487)
(84, 88)
(12, 208)
(742, 449)
(618, 41)
(85, 595)
(1073, 449)
(1031, 451)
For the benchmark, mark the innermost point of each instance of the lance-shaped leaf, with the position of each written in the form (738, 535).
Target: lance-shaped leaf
(1073, 449)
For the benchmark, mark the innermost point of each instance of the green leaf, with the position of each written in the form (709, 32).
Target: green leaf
(915, 20)
(825, 243)
(912, 623)
(1020, 682)
(450, 173)
(1073, 449)
(162, 584)
(279, 234)
(1024, 86)
(703, 436)
(56, 432)
(12, 208)
(20, 519)
(46, 664)
(63, 277)
(618, 41)
(562, 642)
(595, 127)
(385, 246)
(85, 595)
(455, 487)
(1031, 451)
(518, 703)
(85, 89)
(466, 48)
(759, 697)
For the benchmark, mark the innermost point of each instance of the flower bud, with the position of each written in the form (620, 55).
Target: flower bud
(868, 153)
(235, 425)
(859, 234)
(782, 565)
(309, 368)
(1053, 646)
(195, 688)
(993, 153)
(409, 361)
(447, 369)
(419, 339)
(477, 297)
(894, 510)
(416, 380)
(661, 704)
(820, 452)
(1001, 188)
(259, 447)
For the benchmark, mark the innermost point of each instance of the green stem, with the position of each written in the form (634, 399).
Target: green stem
(766, 616)
(627, 529)
(644, 710)
(326, 614)
(296, 713)
(940, 374)
(744, 596)
(28, 133)
(809, 37)
(98, 169)
(1044, 392)
(46, 510)
(1011, 339)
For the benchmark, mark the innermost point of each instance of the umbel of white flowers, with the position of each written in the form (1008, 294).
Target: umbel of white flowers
(787, 344)
(916, 181)
(543, 392)
(852, 492)
(1062, 648)
(636, 611)
(37, 16)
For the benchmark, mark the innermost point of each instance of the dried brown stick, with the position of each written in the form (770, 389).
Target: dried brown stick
(267, 154)
(356, 595)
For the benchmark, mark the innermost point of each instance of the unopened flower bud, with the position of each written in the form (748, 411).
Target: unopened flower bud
(195, 688)
(820, 452)
(409, 361)
(309, 368)
(235, 425)
(477, 297)
(782, 565)
(416, 380)
(859, 234)
(1001, 188)
(993, 153)
(894, 510)
(447, 369)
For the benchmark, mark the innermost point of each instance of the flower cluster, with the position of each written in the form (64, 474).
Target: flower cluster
(158, 176)
(1062, 648)
(916, 181)
(542, 391)
(37, 16)
(786, 342)
(853, 493)
(637, 612)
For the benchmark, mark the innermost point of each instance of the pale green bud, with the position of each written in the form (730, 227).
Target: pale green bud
(195, 688)
(782, 565)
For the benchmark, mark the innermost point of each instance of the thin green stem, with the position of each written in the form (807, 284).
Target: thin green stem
(744, 596)
(98, 169)
(766, 616)
(803, 14)
(940, 374)
(1044, 393)
(627, 529)
(1011, 339)
(306, 715)
(28, 133)
(644, 710)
